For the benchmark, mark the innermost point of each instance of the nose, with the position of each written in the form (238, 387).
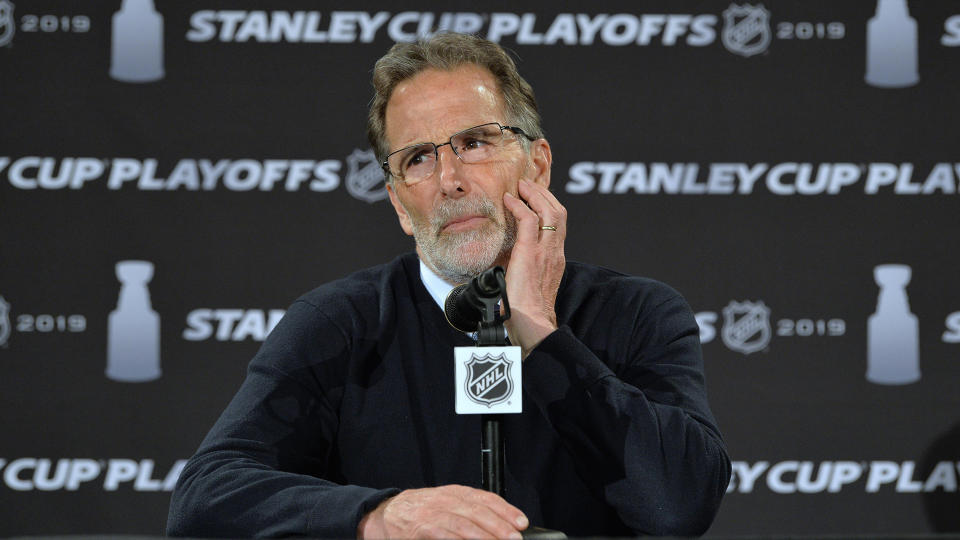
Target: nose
(450, 173)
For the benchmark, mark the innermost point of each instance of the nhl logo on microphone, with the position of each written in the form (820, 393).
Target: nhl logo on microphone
(488, 380)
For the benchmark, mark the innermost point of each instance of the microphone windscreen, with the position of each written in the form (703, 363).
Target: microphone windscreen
(461, 315)
(487, 282)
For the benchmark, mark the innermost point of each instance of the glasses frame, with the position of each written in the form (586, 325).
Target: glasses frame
(436, 149)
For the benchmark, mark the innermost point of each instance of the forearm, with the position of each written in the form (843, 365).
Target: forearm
(660, 466)
(263, 470)
(227, 494)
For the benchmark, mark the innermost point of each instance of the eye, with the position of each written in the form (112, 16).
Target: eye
(476, 139)
(417, 157)
(474, 143)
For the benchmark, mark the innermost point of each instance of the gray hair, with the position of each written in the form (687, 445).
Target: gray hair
(448, 51)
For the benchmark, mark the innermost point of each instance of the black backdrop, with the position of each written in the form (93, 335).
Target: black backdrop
(735, 151)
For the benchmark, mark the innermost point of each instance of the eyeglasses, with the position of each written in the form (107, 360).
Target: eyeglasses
(415, 163)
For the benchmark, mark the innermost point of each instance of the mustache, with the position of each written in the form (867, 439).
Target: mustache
(462, 207)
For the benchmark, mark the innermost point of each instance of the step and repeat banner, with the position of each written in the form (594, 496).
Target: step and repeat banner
(174, 174)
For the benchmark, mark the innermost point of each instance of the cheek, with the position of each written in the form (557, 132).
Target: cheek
(417, 217)
(507, 174)
(412, 214)
(418, 203)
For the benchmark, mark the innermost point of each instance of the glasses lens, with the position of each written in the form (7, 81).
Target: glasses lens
(414, 163)
(478, 144)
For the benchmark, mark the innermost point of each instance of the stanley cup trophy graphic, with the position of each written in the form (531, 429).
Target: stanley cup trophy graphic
(893, 348)
(133, 334)
(892, 46)
(136, 53)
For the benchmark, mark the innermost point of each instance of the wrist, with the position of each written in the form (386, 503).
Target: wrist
(371, 524)
(532, 335)
(362, 526)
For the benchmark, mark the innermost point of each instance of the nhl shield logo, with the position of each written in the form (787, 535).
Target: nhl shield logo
(488, 380)
(4, 322)
(7, 25)
(746, 29)
(746, 326)
(365, 177)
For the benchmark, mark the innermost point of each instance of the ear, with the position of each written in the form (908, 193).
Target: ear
(401, 212)
(541, 159)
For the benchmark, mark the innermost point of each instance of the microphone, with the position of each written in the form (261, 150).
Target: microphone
(464, 306)
(489, 380)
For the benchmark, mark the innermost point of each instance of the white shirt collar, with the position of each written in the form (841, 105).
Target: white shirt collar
(436, 286)
(439, 289)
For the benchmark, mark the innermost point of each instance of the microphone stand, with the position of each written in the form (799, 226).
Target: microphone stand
(490, 333)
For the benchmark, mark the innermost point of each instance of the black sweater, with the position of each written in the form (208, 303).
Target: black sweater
(350, 400)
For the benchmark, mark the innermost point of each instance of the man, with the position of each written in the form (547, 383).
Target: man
(345, 425)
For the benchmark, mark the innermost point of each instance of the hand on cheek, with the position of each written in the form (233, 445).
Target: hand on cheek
(536, 264)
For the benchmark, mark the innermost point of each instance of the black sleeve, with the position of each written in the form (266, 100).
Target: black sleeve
(263, 470)
(643, 437)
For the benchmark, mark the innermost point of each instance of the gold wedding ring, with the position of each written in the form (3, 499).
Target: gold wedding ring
(547, 228)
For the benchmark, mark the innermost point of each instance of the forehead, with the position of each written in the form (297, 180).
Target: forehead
(434, 104)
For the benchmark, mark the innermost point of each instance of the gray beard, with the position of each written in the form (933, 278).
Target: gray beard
(448, 254)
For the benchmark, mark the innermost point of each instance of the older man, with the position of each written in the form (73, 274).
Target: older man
(345, 425)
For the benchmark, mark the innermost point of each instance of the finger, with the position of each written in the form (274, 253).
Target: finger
(537, 202)
(458, 526)
(464, 527)
(443, 529)
(501, 507)
(488, 519)
(528, 222)
(487, 508)
(551, 212)
(538, 195)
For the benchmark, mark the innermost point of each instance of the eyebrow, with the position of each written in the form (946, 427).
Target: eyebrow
(410, 149)
(447, 139)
